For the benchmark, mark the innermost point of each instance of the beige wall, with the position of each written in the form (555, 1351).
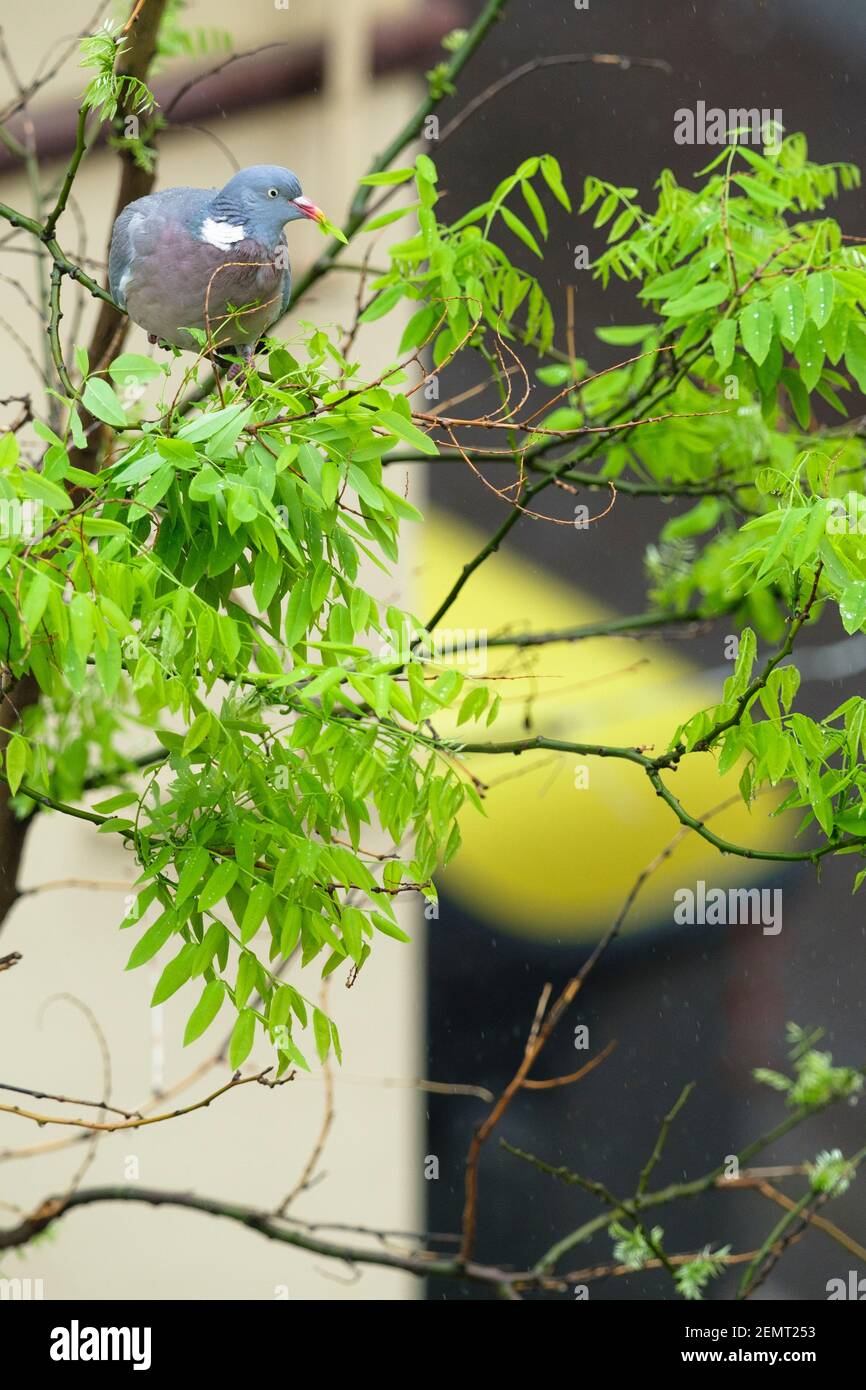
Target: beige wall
(250, 1146)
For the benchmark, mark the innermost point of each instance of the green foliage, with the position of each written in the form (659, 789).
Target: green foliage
(469, 288)
(760, 305)
(286, 729)
(631, 1247)
(816, 1082)
(634, 1249)
(288, 724)
(831, 1173)
(455, 40)
(439, 82)
(691, 1278)
(177, 39)
(107, 90)
(291, 720)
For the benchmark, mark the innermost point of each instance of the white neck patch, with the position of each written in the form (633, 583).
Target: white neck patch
(222, 235)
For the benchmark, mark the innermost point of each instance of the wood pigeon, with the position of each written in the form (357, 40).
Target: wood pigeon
(211, 259)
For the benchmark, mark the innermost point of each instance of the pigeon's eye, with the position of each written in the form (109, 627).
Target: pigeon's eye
(273, 193)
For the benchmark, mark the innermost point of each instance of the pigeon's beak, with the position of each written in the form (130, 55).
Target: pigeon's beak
(309, 209)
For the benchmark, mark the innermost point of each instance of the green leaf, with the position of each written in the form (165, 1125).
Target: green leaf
(247, 974)
(557, 373)
(205, 484)
(366, 490)
(351, 922)
(322, 1034)
(79, 438)
(809, 353)
(520, 230)
(756, 329)
(405, 429)
(386, 218)
(257, 907)
(192, 873)
(298, 612)
(799, 397)
(153, 940)
(213, 943)
(289, 1052)
(156, 487)
(852, 606)
(386, 177)
(606, 210)
(382, 304)
(473, 706)
(329, 228)
(243, 1035)
(42, 489)
(834, 334)
(745, 660)
(533, 202)
(790, 522)
(221, 444)
(620, 335)
(116, 803)
(552, 175)
(695, 522)
(810, 541)
(81, 624)
(35, 600)
(17, 758)
(820, 290)
(268, 569)
(132, 366)
(789, 306)
(198, 732)
(205, 1011)
(281, 1007)
(724, 336)
(820, 802)
(175, 974)
(221, 880)
(207, 426)
(426, 169)
(696, 301)
(388, 928)
(101, 401)
(855, 355)
(420, 327)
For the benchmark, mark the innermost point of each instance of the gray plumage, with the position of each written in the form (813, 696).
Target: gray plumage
(209, 259)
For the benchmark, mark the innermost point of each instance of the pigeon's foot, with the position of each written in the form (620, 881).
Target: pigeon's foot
(237, 370)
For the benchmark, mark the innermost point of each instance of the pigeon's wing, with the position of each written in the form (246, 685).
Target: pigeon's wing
(121, 252)
(136, 226)
(287, 280)
(287, 292)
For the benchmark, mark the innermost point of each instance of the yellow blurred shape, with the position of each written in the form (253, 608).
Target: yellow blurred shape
(554, 857)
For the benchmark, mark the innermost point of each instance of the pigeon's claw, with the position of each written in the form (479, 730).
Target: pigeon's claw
(247, 352)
